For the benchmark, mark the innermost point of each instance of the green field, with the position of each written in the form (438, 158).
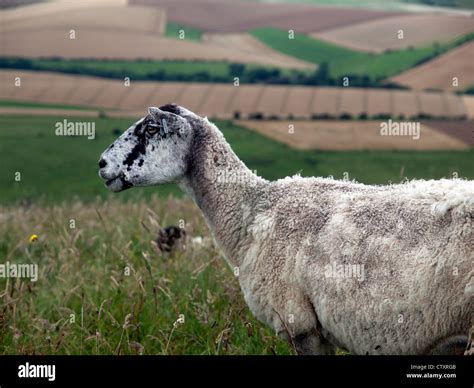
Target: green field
(64, 168)
(343, 61)
(150, 70)
(132, 69)
(174, 30)
(38, 105)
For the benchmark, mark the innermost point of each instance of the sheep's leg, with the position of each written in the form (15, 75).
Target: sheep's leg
(312, 343)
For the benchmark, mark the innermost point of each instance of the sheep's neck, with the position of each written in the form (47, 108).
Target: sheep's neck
(225, 190)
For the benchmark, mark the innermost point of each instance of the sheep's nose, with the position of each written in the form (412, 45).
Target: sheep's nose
(102, 163)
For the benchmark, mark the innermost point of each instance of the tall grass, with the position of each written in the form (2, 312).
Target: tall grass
(103, 288)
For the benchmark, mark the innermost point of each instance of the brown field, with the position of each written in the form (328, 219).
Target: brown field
(433, 104)
(350, 135)
(103, 44)
(325, 101)
(151, 20)
(298, 103)
(241, 16)
(462, 130)
(379, 102)
(469, 106)
(110, 30)
(406, 104)
(46, 8)
(245, 100)
(224, 100)
(439, 72)
(272, 100)
(381, 34)
(352, 102)
(218, 100)
(246, 43)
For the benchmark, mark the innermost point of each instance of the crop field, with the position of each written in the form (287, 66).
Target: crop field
(246, 100)
(345, 62)
(112, 18)
(382, 34)
(93, 32)
(50, 43)
(246, 43)
(439, 72)
(361, 135)
(240, 16)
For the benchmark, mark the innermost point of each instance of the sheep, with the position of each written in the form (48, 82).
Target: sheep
(326, 263)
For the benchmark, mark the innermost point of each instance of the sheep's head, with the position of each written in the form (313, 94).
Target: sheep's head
(152, 151)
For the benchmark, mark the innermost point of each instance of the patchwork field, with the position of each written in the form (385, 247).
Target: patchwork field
(227, 101)
(56, 43)
(343, 61)
(241, 16)
(382, 34)
(439, 72)
(117, 32)
(355, 135)
(246, 43)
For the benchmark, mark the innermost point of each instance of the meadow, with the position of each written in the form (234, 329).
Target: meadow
(343, 61)
(57, 168)
(103, 288)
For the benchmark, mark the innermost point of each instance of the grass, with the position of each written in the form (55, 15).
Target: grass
(103, 288)
(343, 61)
(178, 31)
(38, 105)
(55, 169)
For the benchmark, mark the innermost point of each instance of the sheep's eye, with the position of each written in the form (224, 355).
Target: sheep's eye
(151, 129)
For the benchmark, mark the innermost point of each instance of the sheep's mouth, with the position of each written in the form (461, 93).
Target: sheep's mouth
(119, 183)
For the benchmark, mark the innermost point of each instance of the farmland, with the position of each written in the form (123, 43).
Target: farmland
(419, 30)
(439, 72)
(246, 101)
(55, 43)
(97, 29)
(344, 62)
(356, 135)
(240, 16)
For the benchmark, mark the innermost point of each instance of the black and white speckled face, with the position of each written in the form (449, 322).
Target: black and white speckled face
(152, 151)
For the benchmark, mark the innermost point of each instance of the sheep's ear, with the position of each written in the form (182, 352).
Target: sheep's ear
(156, 113)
